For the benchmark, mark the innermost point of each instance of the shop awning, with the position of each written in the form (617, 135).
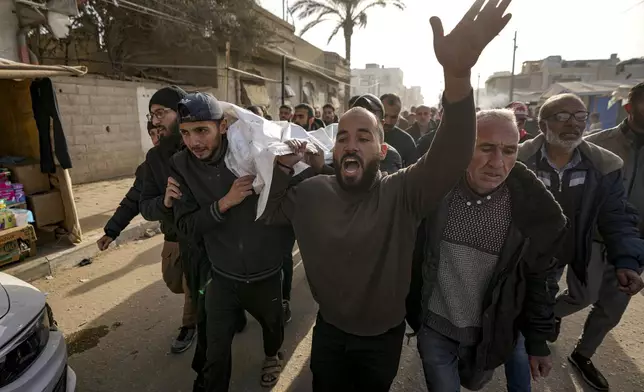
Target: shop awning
(256, 94)
(14, 70)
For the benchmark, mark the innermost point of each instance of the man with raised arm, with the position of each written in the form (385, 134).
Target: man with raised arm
(356, 229)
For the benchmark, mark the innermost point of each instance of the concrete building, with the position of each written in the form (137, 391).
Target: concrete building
(378, 80)
(537, 76)
(104, 119)
(413, 97)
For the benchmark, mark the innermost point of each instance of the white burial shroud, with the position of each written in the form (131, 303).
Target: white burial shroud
(254, 142)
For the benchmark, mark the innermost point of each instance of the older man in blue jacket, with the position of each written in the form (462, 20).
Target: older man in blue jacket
(587, 181)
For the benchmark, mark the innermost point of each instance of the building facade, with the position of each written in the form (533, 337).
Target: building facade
(377, 80)
(539, 75)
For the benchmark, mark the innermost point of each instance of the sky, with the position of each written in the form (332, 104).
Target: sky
(574, 29)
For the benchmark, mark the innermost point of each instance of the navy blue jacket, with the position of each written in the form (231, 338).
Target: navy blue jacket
(604, 215)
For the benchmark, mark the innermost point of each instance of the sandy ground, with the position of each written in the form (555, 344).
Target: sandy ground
(120, 320)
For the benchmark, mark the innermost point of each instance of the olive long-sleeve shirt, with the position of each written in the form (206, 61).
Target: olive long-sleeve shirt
(357, 247)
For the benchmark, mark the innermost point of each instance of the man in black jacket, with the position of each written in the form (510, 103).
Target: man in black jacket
(395, 136)
(587, 181)
(129, 206)
(245, 255)
(496, 233)
(156, 204)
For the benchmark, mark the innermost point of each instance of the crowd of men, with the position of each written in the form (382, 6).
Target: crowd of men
(471, 222)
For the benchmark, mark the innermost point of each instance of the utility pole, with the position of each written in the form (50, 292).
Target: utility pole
(514, 57)
(283, 80)
(227, 68)
(478, 88)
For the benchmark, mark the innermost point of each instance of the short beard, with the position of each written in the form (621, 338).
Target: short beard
(554, 139)
(369, 174)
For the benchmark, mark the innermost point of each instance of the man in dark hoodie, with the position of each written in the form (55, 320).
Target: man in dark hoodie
(156, 204)
(356, 230)
(218, 209)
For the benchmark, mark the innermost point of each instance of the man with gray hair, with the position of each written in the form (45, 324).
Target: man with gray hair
(495, 233)
(586, 180)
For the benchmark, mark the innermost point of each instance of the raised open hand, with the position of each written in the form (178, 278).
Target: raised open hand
(459, 50)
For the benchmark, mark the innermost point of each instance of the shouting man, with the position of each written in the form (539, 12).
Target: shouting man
(361, 290)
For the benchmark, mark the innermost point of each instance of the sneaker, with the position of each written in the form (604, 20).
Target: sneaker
(286, 309)
(184, 340)
(554, 337)
(241, 322)
(589, 372)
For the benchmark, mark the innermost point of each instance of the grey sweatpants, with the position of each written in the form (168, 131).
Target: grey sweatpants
(601, 291)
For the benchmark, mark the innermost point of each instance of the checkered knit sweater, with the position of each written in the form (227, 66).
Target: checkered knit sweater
(472, 240)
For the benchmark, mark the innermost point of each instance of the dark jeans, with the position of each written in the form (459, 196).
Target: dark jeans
(287, 266)
(342, 362)
(224, 300)
(449, 364)
(517, 369)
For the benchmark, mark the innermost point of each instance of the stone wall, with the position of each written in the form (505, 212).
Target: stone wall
(102, 123)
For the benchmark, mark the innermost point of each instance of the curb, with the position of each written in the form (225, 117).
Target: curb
(40, 267)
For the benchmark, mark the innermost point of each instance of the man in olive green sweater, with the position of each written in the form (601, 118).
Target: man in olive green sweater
(356, 229)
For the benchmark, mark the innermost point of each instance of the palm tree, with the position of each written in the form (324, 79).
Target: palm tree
(347, 14)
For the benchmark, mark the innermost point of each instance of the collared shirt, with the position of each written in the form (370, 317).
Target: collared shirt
(567, 186)
(546, 176)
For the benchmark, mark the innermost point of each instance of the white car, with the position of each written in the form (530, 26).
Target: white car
(33, 354)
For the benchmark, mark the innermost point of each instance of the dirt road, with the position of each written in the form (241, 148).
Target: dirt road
(120, 320)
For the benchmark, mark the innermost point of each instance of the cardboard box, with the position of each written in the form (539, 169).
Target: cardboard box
(16, 244)
(29, 175)
(47, 208)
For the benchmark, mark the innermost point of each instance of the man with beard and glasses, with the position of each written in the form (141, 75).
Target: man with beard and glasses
(156, 204)
(587, 181)
(286, 113)
(488, 259)
(608, 305)
(218, 210)
(356, 229)
(395, 136)
(128, 209)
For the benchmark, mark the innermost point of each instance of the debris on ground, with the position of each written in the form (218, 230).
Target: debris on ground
(49, 277)
(84, 262)
(83, 280)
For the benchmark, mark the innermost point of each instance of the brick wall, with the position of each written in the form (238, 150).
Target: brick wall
(102, 125)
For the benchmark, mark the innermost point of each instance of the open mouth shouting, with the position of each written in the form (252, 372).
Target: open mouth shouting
(351, 166)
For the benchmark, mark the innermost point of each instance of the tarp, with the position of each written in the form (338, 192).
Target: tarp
(14, 70)
(254, 142)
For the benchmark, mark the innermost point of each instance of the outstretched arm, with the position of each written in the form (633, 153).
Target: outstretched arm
(436, 172)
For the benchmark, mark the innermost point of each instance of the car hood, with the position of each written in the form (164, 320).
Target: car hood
(20, 303)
